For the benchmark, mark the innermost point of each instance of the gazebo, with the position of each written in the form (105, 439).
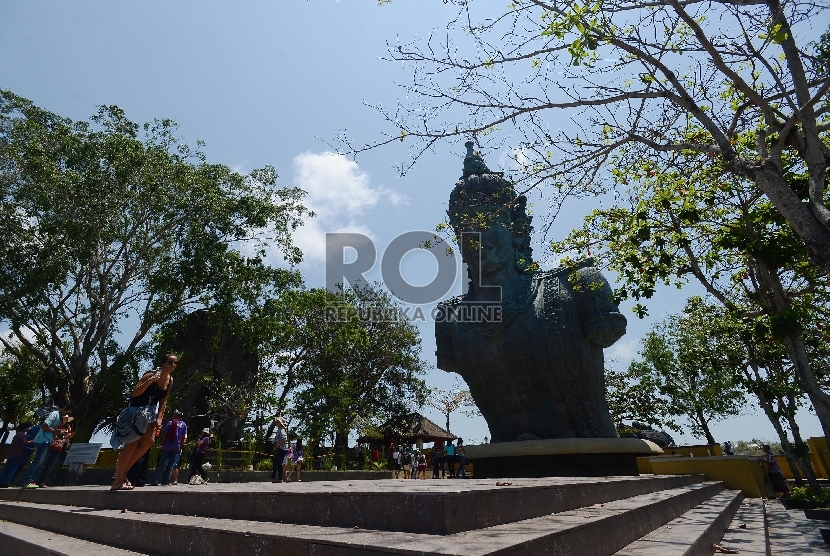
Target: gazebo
(409, 429)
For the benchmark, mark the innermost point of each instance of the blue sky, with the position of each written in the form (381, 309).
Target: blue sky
(264, 82)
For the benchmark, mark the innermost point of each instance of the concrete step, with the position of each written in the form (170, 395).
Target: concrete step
(18, 539)
(747, 532)
(442, 507)
(693, 533)
(784, 537)
(600, 529)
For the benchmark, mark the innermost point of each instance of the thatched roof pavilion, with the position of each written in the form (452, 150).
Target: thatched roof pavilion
(409, 429)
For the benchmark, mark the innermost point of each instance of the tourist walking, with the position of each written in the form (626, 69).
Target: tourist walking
(437, 454)
(57, 448)
(422, 465)
(14, 455)
(142, 418)
(28, 450)
(198, 457)
(449, 456)
(280, 442)
(175, 436)
(461, 455)
(298, 457)
(288, 461)
(406, 463)
(776, 476)
(396, 463)
(414, 474)
(42, 442)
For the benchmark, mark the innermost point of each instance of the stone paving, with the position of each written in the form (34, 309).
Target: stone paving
(810, 529)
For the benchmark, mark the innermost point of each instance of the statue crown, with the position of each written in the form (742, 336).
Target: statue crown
(473, 163)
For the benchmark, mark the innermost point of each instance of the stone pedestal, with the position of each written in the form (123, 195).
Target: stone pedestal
(563, 457)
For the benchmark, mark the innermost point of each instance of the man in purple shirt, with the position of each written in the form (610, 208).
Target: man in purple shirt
(14, 455)
(174, 436)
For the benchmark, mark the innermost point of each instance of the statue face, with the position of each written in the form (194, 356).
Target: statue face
(491, 249)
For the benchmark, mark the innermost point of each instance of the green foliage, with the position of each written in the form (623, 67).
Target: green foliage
(378, 466)
(153, 456)
(247, 450)
(633, 396)
(105, 219)
(807, 494)
(266, 464)
(688, 362)
(753, 447)
(219, 455)
(690, 220)
(20, 387)
(665, 103)
(342, 359)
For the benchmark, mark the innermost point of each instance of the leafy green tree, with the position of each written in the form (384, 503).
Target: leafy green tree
(113, 229)
(639, 81)
(690, 219)
(346, 361)
(20, 391)
(691, 369)
(632, 395)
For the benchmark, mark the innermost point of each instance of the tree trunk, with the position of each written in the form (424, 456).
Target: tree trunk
(778, 304)
(815, 236)
(803, 457)
(773, 416)
(705, 426)
(807, 381)
(792, 462)
(789, 453)
(341, 446)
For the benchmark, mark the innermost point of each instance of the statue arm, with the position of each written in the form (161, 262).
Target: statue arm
(602, 322)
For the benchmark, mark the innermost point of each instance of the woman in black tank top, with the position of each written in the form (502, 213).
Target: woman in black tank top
(153, 388)
(151, 396)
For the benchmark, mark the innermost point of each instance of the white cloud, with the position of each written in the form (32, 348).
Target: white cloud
(624, 351)
(339, 192)
(241, 168)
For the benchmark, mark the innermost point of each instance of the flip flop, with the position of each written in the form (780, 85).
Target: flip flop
(122, 487)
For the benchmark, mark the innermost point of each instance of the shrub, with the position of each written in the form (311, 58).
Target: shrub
(808, 494)
(265, 465)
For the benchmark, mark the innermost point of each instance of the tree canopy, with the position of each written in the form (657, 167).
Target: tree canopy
(653, 79)
(113, 229)
(691, 369)
(345, 361)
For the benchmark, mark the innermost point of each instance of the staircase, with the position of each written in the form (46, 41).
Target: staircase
(648, 515)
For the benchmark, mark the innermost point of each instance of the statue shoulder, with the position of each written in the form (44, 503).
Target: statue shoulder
(602, 323)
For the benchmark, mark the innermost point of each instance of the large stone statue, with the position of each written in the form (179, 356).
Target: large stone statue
(538, 370)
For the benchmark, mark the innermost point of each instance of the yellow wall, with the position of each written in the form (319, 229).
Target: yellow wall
(697, 450)
(781, 459)
(820, 456)
(106, 459)
(744, 473)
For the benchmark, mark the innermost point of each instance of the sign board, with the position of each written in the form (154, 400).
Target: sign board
(83, 453)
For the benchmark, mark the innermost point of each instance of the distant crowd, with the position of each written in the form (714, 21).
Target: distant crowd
(141, 424)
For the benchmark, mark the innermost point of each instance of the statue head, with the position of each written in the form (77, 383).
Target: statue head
(484, 201)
